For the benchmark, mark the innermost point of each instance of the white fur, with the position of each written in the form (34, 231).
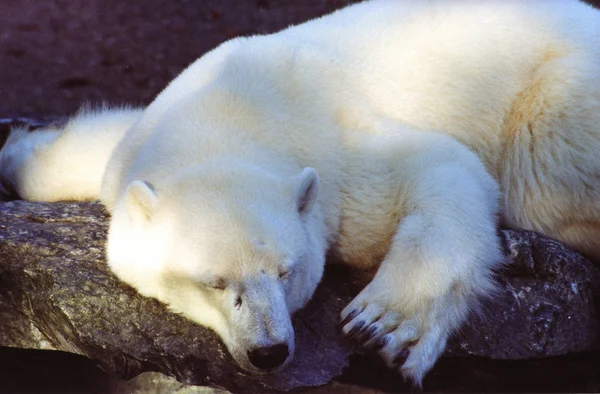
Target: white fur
(217, 208)
(64, 162)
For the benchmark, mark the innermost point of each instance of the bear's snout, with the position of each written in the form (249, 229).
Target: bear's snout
(270, 357)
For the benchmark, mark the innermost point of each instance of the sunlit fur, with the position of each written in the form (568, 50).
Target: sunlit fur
(427, 122)
(64, 162)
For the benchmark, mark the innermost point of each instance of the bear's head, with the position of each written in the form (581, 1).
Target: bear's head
(232, 247)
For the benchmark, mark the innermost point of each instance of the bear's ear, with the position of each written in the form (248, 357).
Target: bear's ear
(307, 189)
(141, 198)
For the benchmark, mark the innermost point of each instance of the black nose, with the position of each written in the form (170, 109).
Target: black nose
(269, 357)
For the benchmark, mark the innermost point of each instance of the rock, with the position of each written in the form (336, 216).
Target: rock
(154, 382)
(57, 293)
(548, 303)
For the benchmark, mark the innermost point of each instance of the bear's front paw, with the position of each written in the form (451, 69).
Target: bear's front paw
(408, 338)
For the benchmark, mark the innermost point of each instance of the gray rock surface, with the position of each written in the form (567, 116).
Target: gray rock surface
(157, 383)
(57, 293)
(548, 303)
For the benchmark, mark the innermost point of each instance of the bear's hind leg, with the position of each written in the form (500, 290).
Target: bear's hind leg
(63, 163)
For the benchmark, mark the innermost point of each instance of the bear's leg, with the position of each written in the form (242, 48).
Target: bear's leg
(63, 163)
(439, 264)
(550, 167)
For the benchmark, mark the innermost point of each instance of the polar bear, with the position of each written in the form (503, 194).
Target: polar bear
(396, 135)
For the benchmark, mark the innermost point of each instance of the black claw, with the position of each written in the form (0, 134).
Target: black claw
(381, 342)
(350, 317)
(401, 357)
(355, 330)
(366, 334)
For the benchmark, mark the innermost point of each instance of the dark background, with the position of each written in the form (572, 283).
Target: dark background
(57, 54)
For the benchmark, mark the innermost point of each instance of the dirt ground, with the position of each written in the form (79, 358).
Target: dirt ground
(57, 54)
